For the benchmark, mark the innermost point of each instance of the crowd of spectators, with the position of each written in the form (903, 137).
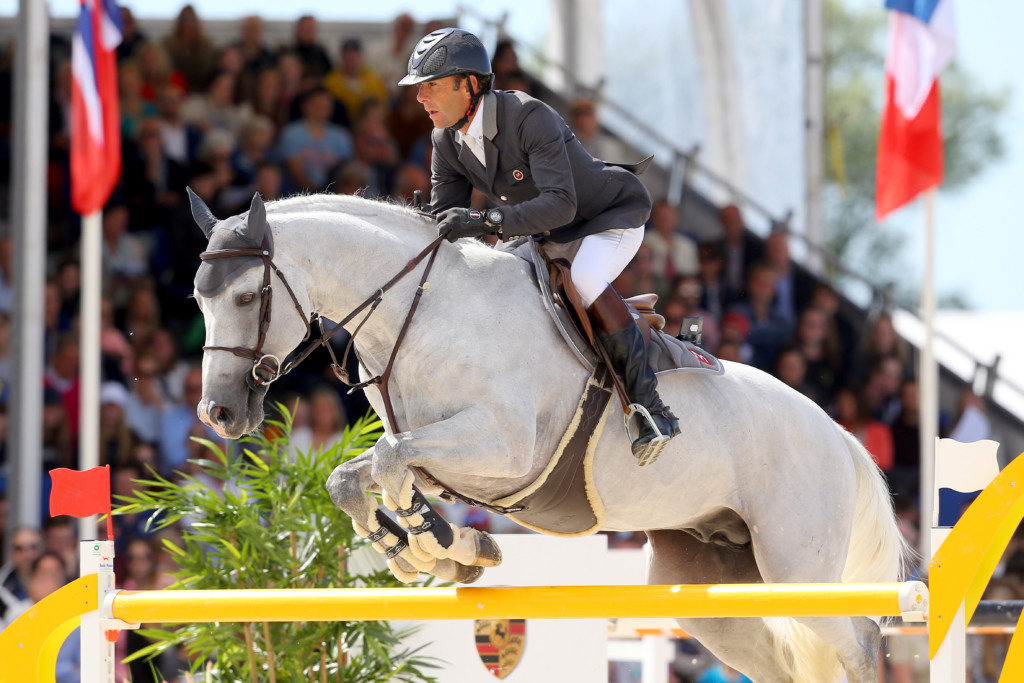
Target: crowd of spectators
(236, 115)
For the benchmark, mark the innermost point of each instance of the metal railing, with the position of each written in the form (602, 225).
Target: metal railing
(685, 164)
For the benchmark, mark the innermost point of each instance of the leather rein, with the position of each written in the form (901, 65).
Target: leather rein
(267, 367)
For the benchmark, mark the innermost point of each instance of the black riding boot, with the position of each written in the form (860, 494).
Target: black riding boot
(623, 342)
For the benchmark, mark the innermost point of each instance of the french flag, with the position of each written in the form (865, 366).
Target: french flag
(95, 116)
(922, 42)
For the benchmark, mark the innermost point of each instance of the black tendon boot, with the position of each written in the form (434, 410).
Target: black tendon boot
(623, 342)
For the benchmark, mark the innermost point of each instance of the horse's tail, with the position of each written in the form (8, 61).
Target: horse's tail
(877, 553)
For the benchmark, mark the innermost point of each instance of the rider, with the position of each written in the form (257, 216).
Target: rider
(520, 154)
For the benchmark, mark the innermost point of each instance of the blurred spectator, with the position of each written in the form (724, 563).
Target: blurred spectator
(820, 349)
(134, 107)
(791, 368)
(157, 72)
(353, 82)
(882, 389)
(5, 357)
(906, 441)
(269, 98)
(411, 177)
(61, 376)
(740, 250)
(58, 447)
(673, 254)
(315, 61)
(171, 370)
(390, 58)
(986, 653)
(146, 401)
(131, 36)
(327, 422)
(352, 178)
(179, 139)
(767, 329)
(217, 107)
(177, 420)
(118, 358)
(255, 55)
(584, 123)
(125, 256)
(735, 331)
(312, 147)
(853, 414)
(971, 423)
(115, 437)
(153, 182)
(688, 292)
(508, 75)
(254, 147)
(191, 52)
(408, 123)
(792, 287)
(375, 150)
(826, 300)
(142, 315)
(60, 536)
(881, 341)
(26, 546)
(519, 80)
(69, 281)
(645, 278)
(269, 181)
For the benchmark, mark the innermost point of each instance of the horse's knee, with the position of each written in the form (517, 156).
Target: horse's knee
(343, 485)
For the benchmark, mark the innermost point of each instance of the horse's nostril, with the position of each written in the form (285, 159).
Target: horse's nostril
(219, 414)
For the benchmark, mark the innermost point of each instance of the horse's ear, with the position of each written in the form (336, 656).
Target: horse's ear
(257, 221)
(201, 213)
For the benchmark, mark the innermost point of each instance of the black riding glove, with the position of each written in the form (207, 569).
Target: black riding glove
(458, 222)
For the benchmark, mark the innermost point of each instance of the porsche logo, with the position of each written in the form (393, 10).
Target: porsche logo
(500, 642)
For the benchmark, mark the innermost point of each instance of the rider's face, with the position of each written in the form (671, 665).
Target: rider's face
(445, 104)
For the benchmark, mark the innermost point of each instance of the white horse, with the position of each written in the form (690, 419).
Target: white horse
(761, 485)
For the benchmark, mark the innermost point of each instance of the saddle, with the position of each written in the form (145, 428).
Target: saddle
(552, 274)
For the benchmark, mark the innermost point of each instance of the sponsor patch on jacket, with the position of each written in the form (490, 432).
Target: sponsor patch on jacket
(517, 174)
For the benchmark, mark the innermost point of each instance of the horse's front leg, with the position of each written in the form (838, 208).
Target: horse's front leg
(348, 486)
(469, 441)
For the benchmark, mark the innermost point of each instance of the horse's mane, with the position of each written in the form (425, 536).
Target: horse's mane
(353, 205)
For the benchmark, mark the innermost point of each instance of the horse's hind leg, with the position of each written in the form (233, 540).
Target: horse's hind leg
(744, 644)
(855, 640)
(347, 486)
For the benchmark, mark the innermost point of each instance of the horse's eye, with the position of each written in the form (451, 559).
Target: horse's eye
(243, 299)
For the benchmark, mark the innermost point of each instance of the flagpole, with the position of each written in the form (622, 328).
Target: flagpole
(928, 385)
(89, 364)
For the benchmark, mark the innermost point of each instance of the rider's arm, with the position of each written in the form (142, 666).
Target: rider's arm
(541, 133)
(449, 188)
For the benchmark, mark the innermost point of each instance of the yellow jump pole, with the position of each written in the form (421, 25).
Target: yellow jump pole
(536, 602)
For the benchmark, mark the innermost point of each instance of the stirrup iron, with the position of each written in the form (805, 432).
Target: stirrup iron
(654, 447)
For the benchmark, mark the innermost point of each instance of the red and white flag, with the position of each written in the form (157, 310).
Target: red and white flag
(922, 42)
(95, 116)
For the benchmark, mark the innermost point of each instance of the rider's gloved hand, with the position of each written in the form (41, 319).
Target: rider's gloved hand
(459, 222)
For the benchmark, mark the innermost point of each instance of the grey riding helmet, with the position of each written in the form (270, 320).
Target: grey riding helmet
(446, 52)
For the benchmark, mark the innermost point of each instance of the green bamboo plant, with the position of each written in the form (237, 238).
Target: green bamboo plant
(268, 522)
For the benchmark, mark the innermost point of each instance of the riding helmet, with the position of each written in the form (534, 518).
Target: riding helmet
(446, 52)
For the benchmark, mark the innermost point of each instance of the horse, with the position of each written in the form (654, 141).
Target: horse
(761, 486)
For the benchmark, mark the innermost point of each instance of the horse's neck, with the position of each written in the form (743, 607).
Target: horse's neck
(346, 260)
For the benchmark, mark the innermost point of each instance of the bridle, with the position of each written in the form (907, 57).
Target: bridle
(267, 368)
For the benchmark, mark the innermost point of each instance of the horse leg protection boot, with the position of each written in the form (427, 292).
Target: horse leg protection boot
(624, 343)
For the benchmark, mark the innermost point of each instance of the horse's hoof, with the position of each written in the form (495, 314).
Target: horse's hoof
(468, 573)
(488, 554)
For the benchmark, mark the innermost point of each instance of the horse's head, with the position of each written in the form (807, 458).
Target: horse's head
(254, 307)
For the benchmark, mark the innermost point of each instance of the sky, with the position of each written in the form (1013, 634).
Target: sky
(980, 235)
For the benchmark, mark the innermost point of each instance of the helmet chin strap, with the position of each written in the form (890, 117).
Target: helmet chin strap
(474, 103)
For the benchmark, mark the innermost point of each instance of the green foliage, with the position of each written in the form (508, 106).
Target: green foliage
(264, 519)
(854, 43)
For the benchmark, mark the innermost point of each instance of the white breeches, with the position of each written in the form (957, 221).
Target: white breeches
(601, 258)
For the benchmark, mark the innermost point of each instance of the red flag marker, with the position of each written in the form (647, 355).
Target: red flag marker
(81, 494)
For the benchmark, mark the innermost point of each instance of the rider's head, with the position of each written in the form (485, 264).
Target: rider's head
(452, 71)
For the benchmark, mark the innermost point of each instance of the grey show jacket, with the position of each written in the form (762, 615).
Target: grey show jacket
(538, 170)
